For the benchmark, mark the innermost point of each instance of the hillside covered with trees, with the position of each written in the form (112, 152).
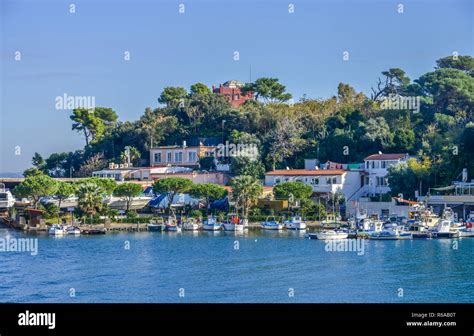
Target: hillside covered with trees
(343, 128)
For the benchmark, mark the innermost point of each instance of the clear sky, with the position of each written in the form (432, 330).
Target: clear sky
(82, 54)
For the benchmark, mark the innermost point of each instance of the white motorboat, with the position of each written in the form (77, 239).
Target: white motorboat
(295, 223)
(446, 227)
(57, 230)
(331, 235)
(6, 198)
(210, 224)
(191, 225)
(271, 224)
(73, 230)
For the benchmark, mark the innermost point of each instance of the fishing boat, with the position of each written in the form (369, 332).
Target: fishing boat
(295, 223)
(331, 221)
(418, 230)
(211, 224)
(445, 227)
(443, 230)
(391, 232)
(271, 224)
(233, 223)
(154, 226)
(190, 225)
(73, 230)
(331, 235)
(57, 230)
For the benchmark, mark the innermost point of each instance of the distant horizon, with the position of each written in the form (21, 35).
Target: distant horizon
(83, 54)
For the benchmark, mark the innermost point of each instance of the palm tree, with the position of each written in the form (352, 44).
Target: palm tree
(246, 190)
(89, 198)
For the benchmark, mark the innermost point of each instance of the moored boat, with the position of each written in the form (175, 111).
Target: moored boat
(418, 230)
(73, 230)
(57, 230)
(295, 223)
(154, 226)
(331, 235)
(211, 224)
(233, 223)
(271, 224)
(191, 225)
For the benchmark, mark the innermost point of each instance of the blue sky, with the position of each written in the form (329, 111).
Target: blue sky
(82, 54)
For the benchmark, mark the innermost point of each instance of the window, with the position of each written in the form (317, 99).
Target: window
(381, 181)
(277, 180)
(373, 164)
(178, 156)
(334, 180)
(168, 157)
(192, 157)
(157, 158)
(367, 164)
(315, 181)
(328, 180)
(384, 164)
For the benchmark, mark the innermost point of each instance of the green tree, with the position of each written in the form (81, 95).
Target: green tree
(200, 89)
(35, 187)
(298, 190)
(242, 165)
(405, 178)
(32, 171)
(134, 154)
(172, 95)
(268, 89)
(88, 123)
(207, 163)
(208, 192)
(128, 191)
(172, 186)
(90, 198)
(38, 161)
(245, 191)
(463, 63)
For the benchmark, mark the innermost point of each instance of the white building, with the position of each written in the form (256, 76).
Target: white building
(323, 181)
(376, 169)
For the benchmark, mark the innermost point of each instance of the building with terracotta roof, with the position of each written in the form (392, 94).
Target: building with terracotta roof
(232, 91)
(376, 166)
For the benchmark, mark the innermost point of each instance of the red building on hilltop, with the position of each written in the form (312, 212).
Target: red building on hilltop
(231, 89)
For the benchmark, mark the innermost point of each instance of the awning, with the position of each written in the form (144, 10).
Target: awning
(443, 188)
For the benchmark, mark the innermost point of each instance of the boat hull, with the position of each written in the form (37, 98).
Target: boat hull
(331, 236)
(233, 227)
(444, 235)
(190, 227)
(156, 228)
(211, 227)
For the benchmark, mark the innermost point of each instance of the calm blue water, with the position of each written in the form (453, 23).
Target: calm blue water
(266, 268)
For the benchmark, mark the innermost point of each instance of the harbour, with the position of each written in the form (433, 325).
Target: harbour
(255, 266)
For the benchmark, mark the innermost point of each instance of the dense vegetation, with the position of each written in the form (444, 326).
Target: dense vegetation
(344, 128)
